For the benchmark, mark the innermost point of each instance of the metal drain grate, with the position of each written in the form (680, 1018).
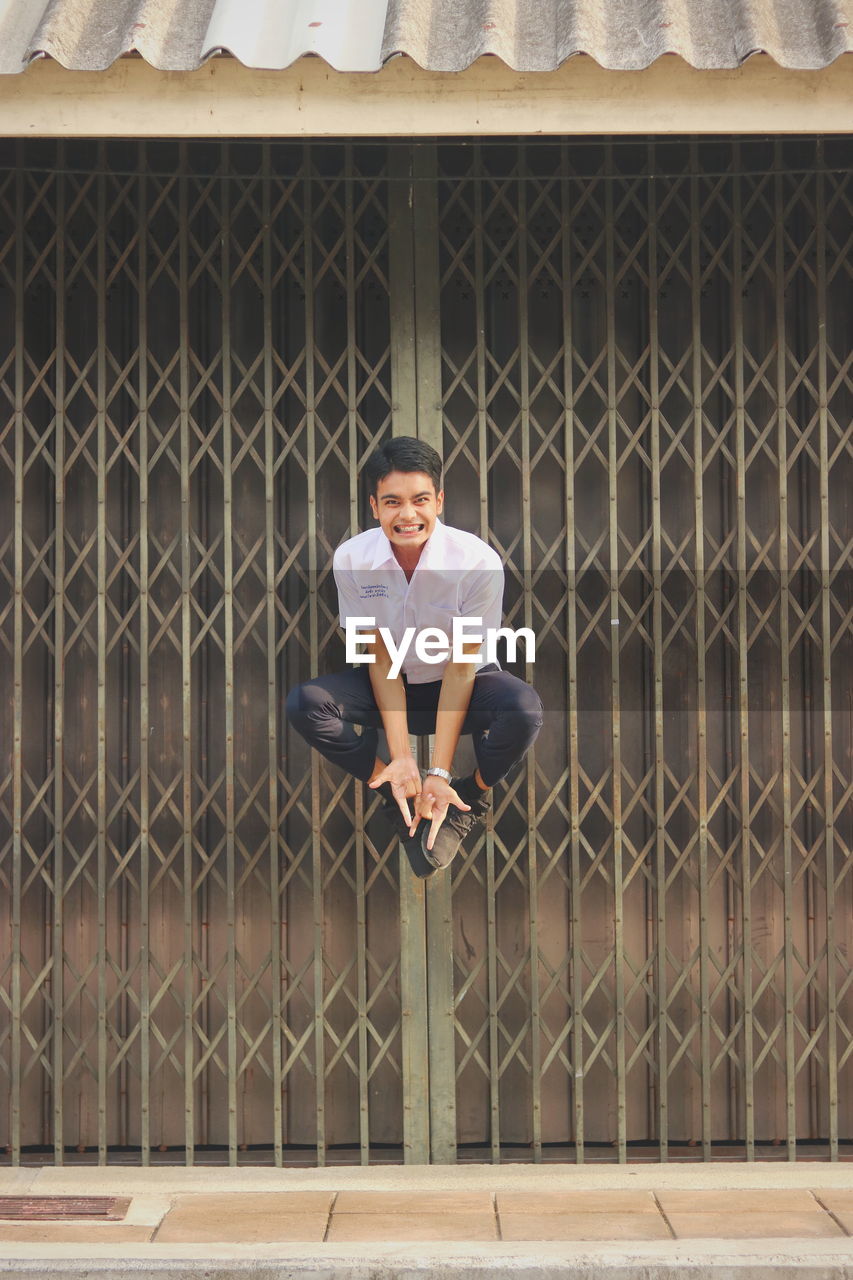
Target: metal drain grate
(60, 1208)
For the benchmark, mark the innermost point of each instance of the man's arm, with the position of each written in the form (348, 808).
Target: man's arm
(402, 771)
(483, 599)
(457, 685)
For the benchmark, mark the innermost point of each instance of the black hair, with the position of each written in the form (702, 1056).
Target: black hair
(402, 453)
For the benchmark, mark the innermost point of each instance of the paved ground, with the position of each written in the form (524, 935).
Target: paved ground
(758, 1220)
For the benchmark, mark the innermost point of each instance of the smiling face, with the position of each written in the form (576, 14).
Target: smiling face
(407, 506)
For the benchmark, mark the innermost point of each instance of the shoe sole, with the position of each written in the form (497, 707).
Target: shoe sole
(412, 846)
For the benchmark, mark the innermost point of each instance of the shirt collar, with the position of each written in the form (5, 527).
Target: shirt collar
(384, 551)
(431, 554)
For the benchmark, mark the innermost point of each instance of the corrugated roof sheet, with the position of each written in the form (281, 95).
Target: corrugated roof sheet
(440, 35)
(539, 35)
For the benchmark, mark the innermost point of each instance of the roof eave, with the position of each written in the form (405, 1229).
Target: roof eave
(223, 98)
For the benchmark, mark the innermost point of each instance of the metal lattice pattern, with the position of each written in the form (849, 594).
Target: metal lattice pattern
(647, 408)
(643, 389)
(198, 954)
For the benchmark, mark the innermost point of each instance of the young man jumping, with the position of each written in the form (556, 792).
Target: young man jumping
(408, 580)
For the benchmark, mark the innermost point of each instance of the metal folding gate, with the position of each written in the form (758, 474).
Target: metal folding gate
(636, 360)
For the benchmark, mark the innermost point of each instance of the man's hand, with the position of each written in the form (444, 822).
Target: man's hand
(405, 780)
(435, 799)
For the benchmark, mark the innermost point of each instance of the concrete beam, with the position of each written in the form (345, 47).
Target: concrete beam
(309, 99)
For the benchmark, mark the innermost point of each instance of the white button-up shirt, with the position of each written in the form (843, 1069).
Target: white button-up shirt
(457, 575)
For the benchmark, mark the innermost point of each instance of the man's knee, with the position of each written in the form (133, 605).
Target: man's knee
(525, 710)
(306, 704)
(293, 706)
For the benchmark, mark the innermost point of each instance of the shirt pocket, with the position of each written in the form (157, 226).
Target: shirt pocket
(439, 616)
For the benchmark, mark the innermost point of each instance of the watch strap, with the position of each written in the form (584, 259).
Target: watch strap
(439, 773)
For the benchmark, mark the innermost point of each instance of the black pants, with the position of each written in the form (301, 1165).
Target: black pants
(504, 717)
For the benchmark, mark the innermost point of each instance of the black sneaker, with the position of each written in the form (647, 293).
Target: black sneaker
(422, 866)
(457, 824)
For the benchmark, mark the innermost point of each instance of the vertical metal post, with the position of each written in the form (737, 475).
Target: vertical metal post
(413, 1010)
(785, 655)
(228, 606)
(743, 658)
(701, 647)
(18, 667)
(201, 584)
(662, 1028)
(276, 970)
(480, 305)
(123, 470)
(404, 369)
(726, 1127)
(439, 904)
(352, 452)
(577, 1057)
(404, 385)
(441, 1045)
(615, 694)
(186, 674)
(483, 469)
(144, 676)
(527, 571)
(427, 295)
(102, 657)
(313, 631)
(58, 868)
(826, 672)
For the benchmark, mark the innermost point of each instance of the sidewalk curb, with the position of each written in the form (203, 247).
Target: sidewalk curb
(177, 1179)
(697, 1260)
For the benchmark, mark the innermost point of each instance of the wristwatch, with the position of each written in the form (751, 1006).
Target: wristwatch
(439, 773)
